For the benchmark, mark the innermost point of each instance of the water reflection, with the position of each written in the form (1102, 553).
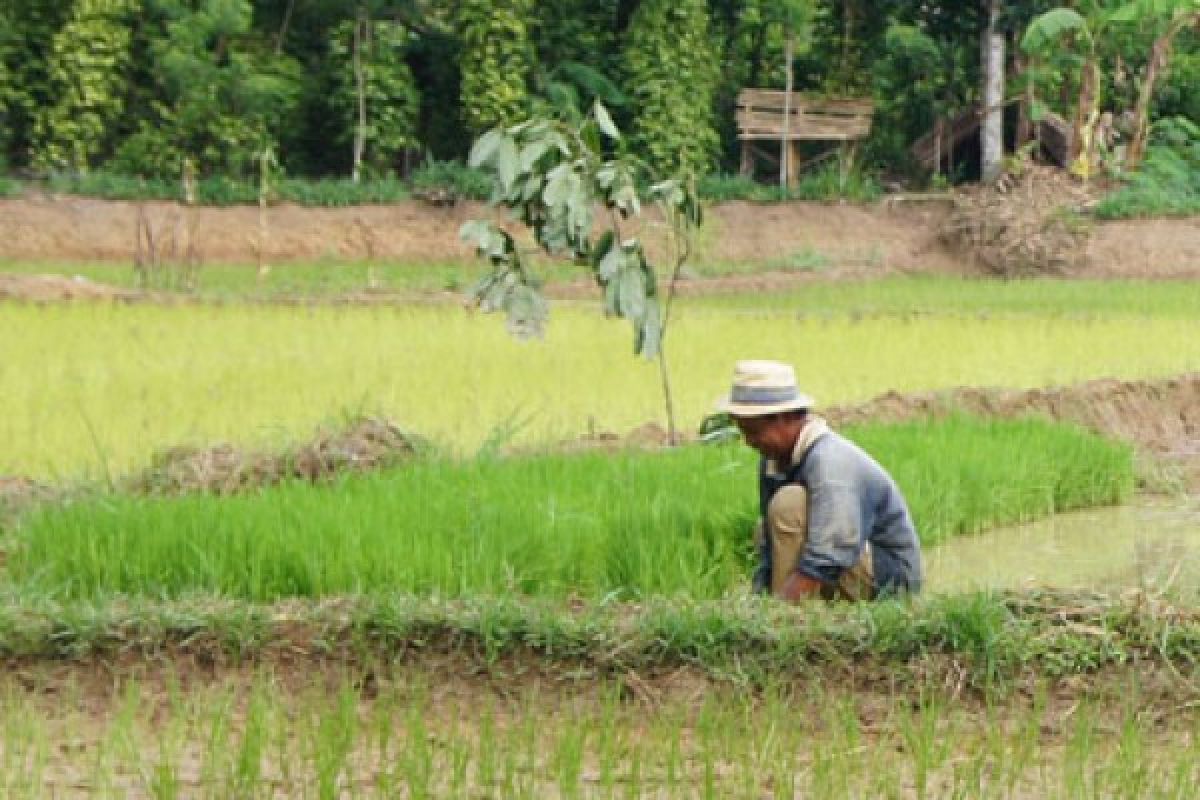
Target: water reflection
(1155, 547)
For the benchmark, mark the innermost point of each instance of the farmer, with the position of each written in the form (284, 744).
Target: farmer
(833, 522)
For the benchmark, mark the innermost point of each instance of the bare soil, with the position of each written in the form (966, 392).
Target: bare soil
(902, 233)
(57, 288)
(1160, 417)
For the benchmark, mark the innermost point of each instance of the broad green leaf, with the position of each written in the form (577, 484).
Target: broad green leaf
(532, 153)
(477, 232)
(607, 126)
(633, 293)
(506, 163)
(601, 249)
(1150, 10)
(1050, 27)
(485, 147)
(527, 312)
(610, 264)
(561, 183)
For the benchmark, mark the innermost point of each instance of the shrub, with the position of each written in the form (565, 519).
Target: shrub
(9, 187)
(454, 177)
(823, 184)
(1168, 183)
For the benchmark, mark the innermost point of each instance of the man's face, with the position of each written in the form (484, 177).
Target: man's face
(773, 436)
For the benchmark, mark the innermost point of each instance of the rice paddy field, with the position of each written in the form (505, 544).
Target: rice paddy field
(502, 616)
(96, 390)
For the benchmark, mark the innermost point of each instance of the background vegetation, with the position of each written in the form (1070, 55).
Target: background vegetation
(141, 87)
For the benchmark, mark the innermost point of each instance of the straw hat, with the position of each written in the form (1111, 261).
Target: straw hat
(761, 388)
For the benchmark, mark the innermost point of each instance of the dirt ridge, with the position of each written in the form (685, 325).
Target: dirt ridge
(899, 234)
(1160, 417)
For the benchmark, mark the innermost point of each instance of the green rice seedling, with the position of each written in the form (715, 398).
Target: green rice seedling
(152, 378)
(591, 524)
(568, 760)
(486, 761)
(1079, 757)
(333, 742)
(926, 741)
(24, 746)
(918, 297)
(251, 748)
(218, 725)
(418, 756)
(163, 780)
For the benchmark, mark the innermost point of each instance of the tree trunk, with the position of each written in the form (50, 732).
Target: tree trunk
(1160, 55)
(1025, 121)
(1082, 146)
(283, 26)
(785, 144)
(360, 87)
(992, 130)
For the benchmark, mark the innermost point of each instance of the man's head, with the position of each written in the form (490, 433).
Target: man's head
(774, 435)
(767, 406)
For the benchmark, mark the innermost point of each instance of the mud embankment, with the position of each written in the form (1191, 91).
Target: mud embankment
(900, 234)
(1160, 417)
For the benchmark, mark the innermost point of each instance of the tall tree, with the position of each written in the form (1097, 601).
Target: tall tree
(671, 76)
(1167, 19)
(497, 61)
(221, 91)
(8, 41)
(88, 67)
(992, 58)
(374, 94)
(33, 24)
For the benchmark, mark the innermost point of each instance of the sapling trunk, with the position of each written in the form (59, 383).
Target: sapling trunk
(360, 89)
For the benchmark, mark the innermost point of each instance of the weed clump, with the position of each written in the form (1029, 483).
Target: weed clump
(1033, 227)
(365, 444)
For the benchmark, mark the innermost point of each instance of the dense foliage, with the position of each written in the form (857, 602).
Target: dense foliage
(138, 87)
(671, 72)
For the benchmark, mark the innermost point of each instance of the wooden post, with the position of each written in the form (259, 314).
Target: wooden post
(793, 163)
(785, 163)
(747, 166)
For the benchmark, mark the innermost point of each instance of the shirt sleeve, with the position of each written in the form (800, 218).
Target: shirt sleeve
(834, 527)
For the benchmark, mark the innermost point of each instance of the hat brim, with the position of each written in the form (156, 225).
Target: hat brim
(726, 405)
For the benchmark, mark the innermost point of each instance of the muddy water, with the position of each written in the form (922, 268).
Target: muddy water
(1155, 547)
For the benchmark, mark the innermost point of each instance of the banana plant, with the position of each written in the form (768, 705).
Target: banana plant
(1169, 18)
(1082, 33)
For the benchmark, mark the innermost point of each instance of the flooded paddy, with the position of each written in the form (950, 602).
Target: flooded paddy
(1151, 546)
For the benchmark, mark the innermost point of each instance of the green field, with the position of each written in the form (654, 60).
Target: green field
(96, 389)
(500, 618)
(589, 525)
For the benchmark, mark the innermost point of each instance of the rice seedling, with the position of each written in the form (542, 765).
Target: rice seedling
(97, 390)
(721, 745)
(590, 524)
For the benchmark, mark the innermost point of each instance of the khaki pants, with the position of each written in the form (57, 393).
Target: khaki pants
(787, 529)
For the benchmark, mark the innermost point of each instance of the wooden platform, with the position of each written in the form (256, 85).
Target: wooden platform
(760, 118)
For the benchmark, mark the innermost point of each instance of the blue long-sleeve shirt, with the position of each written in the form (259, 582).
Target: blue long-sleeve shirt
(851, 501)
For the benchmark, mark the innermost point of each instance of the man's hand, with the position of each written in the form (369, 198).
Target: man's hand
(800, 587)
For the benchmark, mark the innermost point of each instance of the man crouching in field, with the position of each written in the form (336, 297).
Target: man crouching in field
(833, 522)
